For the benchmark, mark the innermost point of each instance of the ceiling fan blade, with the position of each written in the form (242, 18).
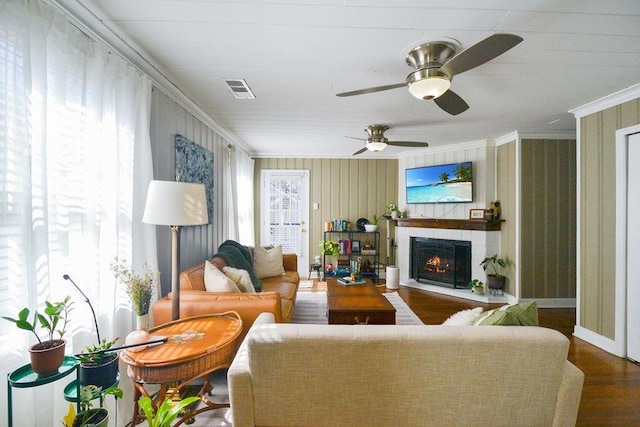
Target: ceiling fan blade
(408, 143)
(371, 89)
(451, 103)
(353, 137)
(362, 150)
(481, 52)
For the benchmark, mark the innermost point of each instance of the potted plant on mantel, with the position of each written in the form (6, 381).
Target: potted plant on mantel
(494, 265)
(46, 356)
(393, 210)
(139, 288)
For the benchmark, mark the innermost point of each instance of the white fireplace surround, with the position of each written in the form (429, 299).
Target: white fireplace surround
(483, 244)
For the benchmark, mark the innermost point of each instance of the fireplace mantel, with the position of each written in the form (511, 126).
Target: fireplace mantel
(454, 224)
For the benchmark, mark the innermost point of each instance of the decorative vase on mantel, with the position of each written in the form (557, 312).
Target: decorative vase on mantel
(142, 322)
(394, 214)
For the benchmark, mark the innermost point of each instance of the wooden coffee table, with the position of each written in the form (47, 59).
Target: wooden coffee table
(358, 304)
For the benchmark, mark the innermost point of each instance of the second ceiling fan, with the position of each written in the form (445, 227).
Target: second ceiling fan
(437, 62)
(377, 140)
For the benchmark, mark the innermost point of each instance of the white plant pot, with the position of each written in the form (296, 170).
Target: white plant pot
(370, 227)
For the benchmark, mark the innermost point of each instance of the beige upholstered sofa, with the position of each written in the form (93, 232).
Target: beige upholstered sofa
(383, 375)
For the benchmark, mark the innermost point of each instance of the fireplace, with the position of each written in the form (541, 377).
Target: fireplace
(440, 262)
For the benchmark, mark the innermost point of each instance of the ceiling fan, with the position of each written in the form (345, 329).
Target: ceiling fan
(435, 65)
(377, 141)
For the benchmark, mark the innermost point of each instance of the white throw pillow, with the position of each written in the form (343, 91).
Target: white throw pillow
(240, 278)
(464, 317)
(216, 281)
(267, 262)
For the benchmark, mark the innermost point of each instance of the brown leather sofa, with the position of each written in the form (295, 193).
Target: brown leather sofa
(278, 296)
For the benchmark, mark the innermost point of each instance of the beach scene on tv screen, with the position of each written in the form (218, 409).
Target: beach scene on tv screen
(440, 184)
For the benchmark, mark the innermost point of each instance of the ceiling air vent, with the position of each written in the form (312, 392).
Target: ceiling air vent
(239, 88)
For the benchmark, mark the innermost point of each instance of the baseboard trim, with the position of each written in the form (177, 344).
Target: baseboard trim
(459, 293)
(552, 302)
(593, 338)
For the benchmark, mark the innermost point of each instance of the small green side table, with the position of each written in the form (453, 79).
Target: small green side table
(24, 377)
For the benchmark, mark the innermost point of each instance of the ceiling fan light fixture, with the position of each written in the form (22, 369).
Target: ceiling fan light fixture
(376, 146)
(430, 87)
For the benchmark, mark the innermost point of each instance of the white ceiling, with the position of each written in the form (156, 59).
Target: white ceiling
(297, 54)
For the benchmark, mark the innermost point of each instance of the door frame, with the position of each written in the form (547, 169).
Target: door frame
(304, 239)
(622, 139)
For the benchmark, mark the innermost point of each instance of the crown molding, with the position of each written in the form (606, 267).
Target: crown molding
(617, 98)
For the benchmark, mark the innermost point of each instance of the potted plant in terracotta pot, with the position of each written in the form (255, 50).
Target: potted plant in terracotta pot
(139, 288)
(46, 355)
(494, 266)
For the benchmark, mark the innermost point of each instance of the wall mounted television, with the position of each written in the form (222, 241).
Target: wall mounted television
(451, 183)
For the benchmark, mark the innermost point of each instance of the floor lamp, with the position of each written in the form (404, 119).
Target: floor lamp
(175, 204)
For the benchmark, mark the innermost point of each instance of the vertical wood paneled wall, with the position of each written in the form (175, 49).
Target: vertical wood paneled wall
(199, 242)
(548, 218)
(344, 188)
(507, 193)
(597, 252)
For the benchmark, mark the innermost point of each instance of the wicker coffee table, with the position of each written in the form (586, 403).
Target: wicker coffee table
(358, 304)
(197, 346)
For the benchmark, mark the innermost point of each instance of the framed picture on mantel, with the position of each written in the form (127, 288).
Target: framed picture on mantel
(476, 213)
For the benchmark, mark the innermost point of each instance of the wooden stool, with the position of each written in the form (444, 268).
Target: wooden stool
(316, 268)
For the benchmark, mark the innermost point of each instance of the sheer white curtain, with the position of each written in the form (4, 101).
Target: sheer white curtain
(74, 163)
(241, 197)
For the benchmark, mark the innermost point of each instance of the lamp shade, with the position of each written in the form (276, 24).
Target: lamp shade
(175, 203)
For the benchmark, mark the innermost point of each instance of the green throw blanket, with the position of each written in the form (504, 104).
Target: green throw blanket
(238, 256)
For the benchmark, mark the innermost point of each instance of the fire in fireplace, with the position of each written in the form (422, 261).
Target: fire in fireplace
(441, 262)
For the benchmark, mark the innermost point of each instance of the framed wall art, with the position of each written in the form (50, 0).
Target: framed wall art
(476, 213)
(194, 164)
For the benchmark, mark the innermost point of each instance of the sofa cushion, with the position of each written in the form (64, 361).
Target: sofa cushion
(216, 281)
(240, 278)
(286, 290)
(267, 262)
(464, 317)
(498, 318)
(526, 313)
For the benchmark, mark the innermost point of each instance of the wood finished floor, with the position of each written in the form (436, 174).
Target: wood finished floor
(611, 393)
